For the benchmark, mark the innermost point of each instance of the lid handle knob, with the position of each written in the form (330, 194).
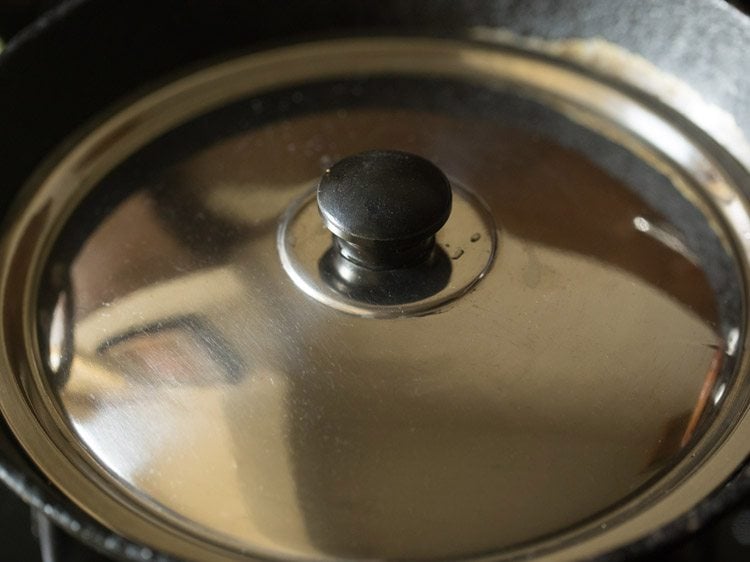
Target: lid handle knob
(384, 208)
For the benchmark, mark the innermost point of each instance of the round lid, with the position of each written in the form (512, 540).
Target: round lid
(382, 298)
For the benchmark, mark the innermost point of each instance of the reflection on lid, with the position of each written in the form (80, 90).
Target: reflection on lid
(204, 378)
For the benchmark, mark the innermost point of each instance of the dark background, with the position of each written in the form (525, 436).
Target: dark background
(727, 539)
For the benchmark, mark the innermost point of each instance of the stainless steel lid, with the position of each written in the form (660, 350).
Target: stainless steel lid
(550, 364)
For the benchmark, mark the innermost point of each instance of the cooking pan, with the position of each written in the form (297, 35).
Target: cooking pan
(393, 280)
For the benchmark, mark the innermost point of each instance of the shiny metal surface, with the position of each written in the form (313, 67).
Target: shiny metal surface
(175, 380)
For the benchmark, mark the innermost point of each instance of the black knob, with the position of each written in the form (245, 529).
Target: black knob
(384, 207)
